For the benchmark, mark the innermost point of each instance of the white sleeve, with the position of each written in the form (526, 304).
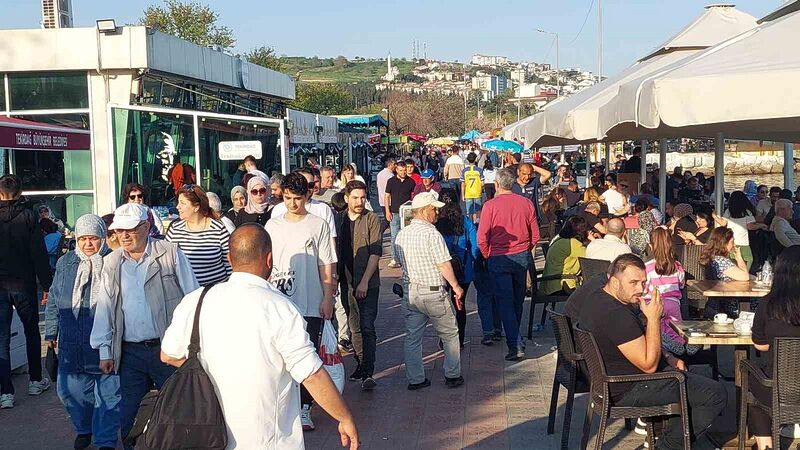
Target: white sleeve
(102, 329)
(327, 254)
(294, 345)
(176, 339)
(331, 223)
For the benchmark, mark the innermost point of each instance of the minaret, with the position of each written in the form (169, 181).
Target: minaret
(389, 72)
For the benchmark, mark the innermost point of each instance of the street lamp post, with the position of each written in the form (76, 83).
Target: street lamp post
(558, 79)
(386, 110)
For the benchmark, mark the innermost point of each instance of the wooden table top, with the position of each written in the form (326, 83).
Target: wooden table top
(686, 327)
(716, 288)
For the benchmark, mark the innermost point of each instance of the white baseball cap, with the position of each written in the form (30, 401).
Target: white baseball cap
(128, 216)
(424, 199)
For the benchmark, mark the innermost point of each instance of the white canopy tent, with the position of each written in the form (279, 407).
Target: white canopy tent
(707, 95)
(575, 118)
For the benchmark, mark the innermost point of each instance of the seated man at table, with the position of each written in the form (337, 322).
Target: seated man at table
(631, 347)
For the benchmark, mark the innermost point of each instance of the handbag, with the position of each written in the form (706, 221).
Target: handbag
(51, 363)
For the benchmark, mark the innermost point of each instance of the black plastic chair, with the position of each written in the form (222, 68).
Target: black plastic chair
(600, 399)
(785, 386)
(591, 267)
(567, 373)
(539, 298)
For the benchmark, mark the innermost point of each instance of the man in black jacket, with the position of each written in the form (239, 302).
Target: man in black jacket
(23, 259)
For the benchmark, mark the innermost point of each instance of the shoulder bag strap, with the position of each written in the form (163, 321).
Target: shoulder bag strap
(194, 343)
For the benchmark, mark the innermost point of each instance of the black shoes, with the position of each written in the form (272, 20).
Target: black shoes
(498, 335)
(83, 441)
(345, 345)
(487, 339)
(515, 354)
(417, 386)
(453, 382)
(368, 383)
(357, 375)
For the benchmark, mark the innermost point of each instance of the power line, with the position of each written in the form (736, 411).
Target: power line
(585, 19)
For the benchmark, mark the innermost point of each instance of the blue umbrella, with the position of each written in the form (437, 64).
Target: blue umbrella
(503, 146)
(471, 135)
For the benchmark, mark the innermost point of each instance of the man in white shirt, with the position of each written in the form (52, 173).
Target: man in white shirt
(783, 230)
(383, 178)
(304, 261)
(616, 201)
(452, 170)
(255, 349)
(316, 208)
(611, 245)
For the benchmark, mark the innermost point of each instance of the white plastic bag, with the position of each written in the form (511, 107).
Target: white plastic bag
(331, 358)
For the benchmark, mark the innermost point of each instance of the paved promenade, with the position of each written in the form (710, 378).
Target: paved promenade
(501, 405)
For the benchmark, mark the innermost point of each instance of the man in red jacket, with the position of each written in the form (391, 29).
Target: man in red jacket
(506, 234)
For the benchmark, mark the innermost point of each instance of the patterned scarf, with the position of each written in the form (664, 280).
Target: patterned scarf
(90, 267)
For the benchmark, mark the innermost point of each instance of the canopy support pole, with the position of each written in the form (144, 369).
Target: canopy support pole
(788, 166)
(607, 149)
(719, 173)
(643, 167)
(563, 159)
(587, 147)
(662, 174)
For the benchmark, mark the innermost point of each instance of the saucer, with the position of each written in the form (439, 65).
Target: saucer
(727, 321)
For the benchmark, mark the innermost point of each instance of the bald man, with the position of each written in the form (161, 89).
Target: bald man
(529, 183)
(612, 244)
(249, 327)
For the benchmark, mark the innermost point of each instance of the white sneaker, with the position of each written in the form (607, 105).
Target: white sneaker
(6, 401)
(305, 418)
(37, 387)
(393, 264)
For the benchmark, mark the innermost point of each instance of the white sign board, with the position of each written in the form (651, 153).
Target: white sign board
(237, 150)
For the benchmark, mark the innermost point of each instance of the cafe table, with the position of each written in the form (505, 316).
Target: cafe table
(705, 332)
(717, 288)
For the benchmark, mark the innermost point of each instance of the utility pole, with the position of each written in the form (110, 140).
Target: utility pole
(599, 40)
(558, 78)
(466, 92)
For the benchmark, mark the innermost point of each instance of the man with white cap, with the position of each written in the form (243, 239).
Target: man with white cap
(143, 282)
(427, 271)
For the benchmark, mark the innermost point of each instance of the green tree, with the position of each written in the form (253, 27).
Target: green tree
(323, 98)
(265, 56)
(192, 21)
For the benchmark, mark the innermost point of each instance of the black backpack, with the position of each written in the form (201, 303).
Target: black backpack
(185, 413)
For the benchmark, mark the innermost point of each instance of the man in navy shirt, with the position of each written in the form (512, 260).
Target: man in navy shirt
(529, 183)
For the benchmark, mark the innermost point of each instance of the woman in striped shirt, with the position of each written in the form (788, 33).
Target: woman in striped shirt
(201, 236)
(666, 275)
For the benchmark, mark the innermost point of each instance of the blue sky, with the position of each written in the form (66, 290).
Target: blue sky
(453, 29)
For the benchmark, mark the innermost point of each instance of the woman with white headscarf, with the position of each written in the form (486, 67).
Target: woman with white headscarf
(257, 208)
(90, 396)
(239, 200)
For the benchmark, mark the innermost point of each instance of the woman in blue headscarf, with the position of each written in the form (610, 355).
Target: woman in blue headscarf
(90, 396)
(751, 191)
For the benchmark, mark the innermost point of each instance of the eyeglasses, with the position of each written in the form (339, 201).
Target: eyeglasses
(261, 191)
(136, 196)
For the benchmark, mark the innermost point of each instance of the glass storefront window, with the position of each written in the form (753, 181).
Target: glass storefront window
(66, 207)
(54, 170)
(220, 176)
(149, 146)
(2, 92)
(48, 90)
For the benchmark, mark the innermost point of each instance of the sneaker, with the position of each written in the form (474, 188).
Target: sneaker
(641, 427)
(497, 336)
(416, 386)
(37, 387)
(6, 401)
(357, 374)
(393, 264)
(453, 382)
(305, 418)
(513, 355)
(368, 383)
(83, 441)
(345, 345)
(487, 339)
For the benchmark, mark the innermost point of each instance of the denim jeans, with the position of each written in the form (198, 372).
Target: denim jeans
(140, 370)
(509, 274)
(361, 315)
(487, 302)
(92, 402)
(394, 225)
(24, 301)
(707, 398)
(422, 306)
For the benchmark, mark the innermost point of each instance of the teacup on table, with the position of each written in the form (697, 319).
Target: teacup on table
(722, 319)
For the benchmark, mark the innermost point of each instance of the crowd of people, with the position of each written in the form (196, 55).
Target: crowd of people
(300, 249)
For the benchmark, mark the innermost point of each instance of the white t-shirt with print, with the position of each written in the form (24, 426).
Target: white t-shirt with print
(298, 249)
(741, 237)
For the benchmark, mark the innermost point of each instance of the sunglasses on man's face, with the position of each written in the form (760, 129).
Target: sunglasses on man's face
(261, 191)
(136, 196)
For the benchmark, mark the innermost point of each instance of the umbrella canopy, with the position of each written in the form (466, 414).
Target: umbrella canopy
(575, 119)
(707, 94)
(471, 135)
(503, 146)
(441, 141)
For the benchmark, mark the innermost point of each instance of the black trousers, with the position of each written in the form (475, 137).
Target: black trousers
(759, 422)
(23, 299)
(314, 330)
(461, 314)
(707, 398)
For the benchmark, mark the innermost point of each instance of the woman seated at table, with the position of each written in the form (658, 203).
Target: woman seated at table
(777, 315)
(740, 217)
(548, 219)
(639, 225)
(705, 224)
(716, 257)
(562, 256)
(666, 274)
